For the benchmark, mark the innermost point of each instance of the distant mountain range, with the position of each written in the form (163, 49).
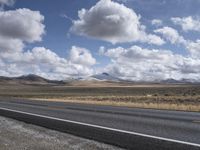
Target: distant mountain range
(107, 77)
(28, 79)
(102, 77)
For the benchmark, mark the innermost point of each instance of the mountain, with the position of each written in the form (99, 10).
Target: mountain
(97, 80)
(109, 78)
(170, 81)
(105, 77)
(102, 79)
(28, 79)
(32, 77)
(181, 81)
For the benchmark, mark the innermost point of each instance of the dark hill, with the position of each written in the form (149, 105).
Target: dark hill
(28, 79)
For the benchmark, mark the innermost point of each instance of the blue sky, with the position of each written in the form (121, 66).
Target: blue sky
(139, 39)
(58, 38)
(57, 27)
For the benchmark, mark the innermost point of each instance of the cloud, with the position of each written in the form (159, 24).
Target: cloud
(172, 35)
(7, 2)
(21, 26)
(157, 22)
(81, 56)
(136, 63)
(9, 44)
(187, 23)
(112, 22)
(44, 62)
(194, 49)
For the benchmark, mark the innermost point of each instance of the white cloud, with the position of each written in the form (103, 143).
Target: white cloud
(108, 21)
(112, 22)
(157, 22)
(17, 27)
(23, 24)
(171, 35)
(187, 23)
(136, 63)
(81, 56)
(9, 44)
(194, 49)
(44, 62)
(152, 39)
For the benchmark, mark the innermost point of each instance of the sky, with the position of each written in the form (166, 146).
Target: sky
(129, 39)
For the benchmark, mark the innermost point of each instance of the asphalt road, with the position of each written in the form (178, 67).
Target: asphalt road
(131, 128)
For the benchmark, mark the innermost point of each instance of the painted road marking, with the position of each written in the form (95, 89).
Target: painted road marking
(105, 128)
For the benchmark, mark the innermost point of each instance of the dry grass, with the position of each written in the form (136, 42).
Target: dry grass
(173, 97)
(169, 103)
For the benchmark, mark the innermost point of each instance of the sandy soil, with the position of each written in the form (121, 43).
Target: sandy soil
(15, 135)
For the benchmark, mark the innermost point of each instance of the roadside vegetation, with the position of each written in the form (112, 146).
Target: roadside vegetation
(173, 97)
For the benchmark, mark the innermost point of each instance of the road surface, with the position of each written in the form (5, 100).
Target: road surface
(17, 135)
(131, 128)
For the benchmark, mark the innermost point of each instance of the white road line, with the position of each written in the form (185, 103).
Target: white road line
(106, 128)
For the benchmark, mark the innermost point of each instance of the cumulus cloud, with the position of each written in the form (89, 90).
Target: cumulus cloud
(82, 56)
(187, 23)
(112, 22)
(44, 62)
(157, 22)
(108, 21)
(23, 24)
(17, 27)
(171, 35)
(136, 63)
(9, 44)
(194, 49)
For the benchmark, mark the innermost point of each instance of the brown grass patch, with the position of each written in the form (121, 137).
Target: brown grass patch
(173, 97)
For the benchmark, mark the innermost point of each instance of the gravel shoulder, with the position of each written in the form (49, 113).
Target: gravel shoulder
(16, 135)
